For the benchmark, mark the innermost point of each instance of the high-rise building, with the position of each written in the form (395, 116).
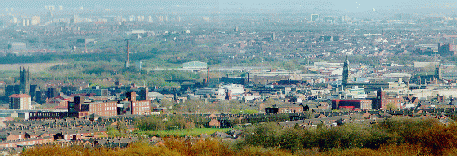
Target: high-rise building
(52, 92)
(75, 105)
(74, 19)
(345, 72)
(35, 20)
(438, 74)
(20, 101)
(24, 80)
(314, 17)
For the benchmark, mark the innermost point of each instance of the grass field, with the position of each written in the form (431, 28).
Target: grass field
(183, 132)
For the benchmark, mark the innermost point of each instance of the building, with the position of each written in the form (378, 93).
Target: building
(314, 17)
(20, 101)
(25, 80)
(35, 20)
(85, 108)
(352, 104)
(438, 73)
(52, 92)
(446, 49)
(103, 108)
(345, 72)
(428, 78)
(234, 80)
(233, 90)
(367, 86)
(194, 65)
(142, 107)
(75, 105)
(285, 109)
(384, 100)
(356, 93)
(210, 92)
(96, 90)
(23, 87)
(75, 19)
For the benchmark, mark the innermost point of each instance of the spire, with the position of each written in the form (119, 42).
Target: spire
(345, 72)
(346, 61)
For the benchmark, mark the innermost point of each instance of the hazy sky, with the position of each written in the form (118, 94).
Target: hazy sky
(353, 6)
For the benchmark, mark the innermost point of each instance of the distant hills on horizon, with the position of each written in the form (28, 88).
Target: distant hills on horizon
(352, 8)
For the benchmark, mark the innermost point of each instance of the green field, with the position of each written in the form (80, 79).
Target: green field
(183, 132)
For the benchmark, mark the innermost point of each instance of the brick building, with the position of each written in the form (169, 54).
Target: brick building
(385, 101)
(103, 108)
(284, 109)
(352, 104)
(100, 108)
(141, 107)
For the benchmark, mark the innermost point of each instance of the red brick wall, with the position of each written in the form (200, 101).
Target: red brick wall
(103, 108)
(141, 107)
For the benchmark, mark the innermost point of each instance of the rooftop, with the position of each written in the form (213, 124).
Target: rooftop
(19, 96)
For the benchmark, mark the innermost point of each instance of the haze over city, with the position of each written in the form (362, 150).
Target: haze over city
(228, 77)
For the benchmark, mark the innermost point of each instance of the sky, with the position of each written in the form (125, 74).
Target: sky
(349, 6)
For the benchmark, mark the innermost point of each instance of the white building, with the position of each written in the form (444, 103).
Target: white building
(234, 89)
(195, 65)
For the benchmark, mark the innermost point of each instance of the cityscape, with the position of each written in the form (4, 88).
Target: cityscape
(228, 77)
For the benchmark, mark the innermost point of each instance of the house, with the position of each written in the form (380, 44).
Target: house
(214, 123)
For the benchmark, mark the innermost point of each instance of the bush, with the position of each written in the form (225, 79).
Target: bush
(432, 136)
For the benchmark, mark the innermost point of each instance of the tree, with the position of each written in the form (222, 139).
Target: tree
(391, 106)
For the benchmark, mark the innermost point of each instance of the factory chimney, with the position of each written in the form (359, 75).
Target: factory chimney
(207, 76)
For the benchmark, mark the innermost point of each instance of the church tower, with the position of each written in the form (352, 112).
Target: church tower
(24, 80)
(345, 72)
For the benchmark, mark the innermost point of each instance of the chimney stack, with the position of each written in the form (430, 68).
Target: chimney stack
(207, 76)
